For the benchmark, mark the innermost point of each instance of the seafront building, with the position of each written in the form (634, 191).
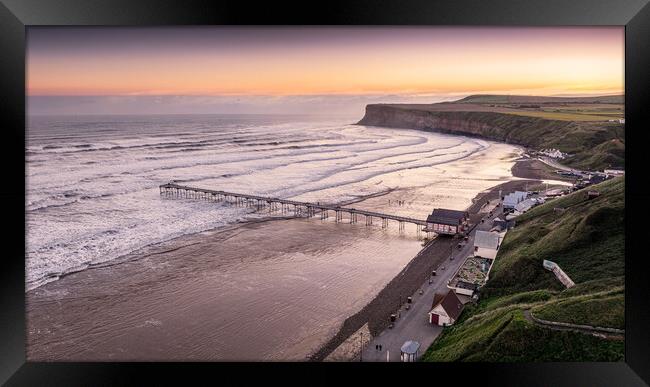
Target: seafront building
(512, 199)
(445, 309)
(447, 222)
(486, 244)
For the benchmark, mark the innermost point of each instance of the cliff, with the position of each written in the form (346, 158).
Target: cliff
(592, 144)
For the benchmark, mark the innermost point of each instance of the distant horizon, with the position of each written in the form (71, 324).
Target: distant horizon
(306, 105)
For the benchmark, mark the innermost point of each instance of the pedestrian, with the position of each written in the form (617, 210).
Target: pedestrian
(379, 347)
(376, 347)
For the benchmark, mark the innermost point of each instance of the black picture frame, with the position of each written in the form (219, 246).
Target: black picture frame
(15, 15)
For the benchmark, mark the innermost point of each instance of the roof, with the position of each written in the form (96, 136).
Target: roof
(436, 299)
(525, 205)
(410, 346)
(488, 240)
(515, 197)
(451, 304)
(444, 216)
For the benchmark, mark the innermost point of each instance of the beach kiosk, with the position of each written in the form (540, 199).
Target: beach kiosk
(409, 351)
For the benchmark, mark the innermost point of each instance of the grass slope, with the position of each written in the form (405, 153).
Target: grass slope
(586, 240)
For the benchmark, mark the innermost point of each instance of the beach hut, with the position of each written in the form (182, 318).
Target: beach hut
(409, 351)
(449, 222)
(445, 309)
(486, 244)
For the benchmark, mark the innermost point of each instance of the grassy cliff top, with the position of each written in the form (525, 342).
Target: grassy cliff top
(496, 98)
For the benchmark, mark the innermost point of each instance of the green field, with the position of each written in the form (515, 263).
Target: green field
(567, 116)
(587, 241)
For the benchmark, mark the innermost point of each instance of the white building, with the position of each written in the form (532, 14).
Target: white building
(525, 205)
(445, 309)
(511, 199)
(486, 244)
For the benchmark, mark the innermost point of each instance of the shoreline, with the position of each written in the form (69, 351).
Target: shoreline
(377, 312)
(141, 252)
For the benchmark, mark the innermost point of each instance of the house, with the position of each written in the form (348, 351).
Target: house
(511, 199)
(449, 222)
(525, 205)
(445, 309)
(486, 244)
(409, 351)
(502, 224)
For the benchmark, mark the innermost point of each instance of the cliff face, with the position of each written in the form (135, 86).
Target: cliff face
(465, 123)
(584, 140)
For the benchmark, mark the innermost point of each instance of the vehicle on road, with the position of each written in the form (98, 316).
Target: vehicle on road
(433, 273)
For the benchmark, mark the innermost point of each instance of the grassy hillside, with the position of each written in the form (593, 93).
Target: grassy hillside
(587, 241)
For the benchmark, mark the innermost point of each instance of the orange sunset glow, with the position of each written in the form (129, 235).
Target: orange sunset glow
(286, 61)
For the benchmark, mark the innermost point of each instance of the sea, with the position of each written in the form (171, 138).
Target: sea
(115, 271)
(92, 181)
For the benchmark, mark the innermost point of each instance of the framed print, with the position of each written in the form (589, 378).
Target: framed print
(256, 191)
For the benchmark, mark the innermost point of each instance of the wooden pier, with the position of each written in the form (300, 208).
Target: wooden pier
(284, 206)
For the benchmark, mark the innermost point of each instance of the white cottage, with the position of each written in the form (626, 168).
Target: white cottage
(486, 244)
(445, 309)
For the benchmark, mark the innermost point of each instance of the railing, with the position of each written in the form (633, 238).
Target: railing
(176, 189)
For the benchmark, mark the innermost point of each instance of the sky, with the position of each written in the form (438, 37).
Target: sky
(286, 69)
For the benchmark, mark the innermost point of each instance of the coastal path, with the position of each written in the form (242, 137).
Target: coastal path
(606, 333)
(414, 323)
(297, 208)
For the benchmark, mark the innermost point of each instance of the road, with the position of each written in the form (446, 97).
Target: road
(414, 323)
(554, 164)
